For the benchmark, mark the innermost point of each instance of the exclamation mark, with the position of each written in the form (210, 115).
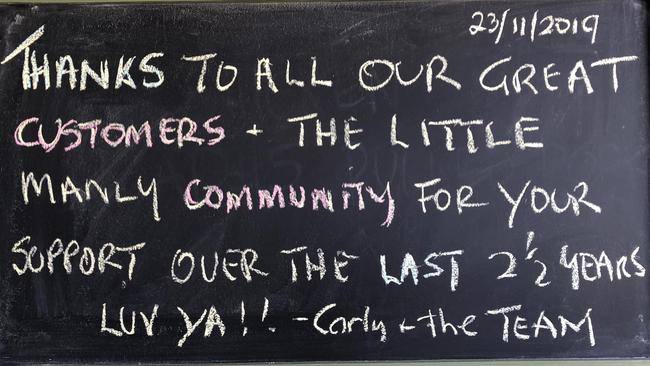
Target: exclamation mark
(243, 316)
(265, 312)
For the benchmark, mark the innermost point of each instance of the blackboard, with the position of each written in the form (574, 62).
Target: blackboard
(374, 181)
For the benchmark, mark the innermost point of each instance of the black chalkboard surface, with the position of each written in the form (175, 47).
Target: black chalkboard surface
(324, 181)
